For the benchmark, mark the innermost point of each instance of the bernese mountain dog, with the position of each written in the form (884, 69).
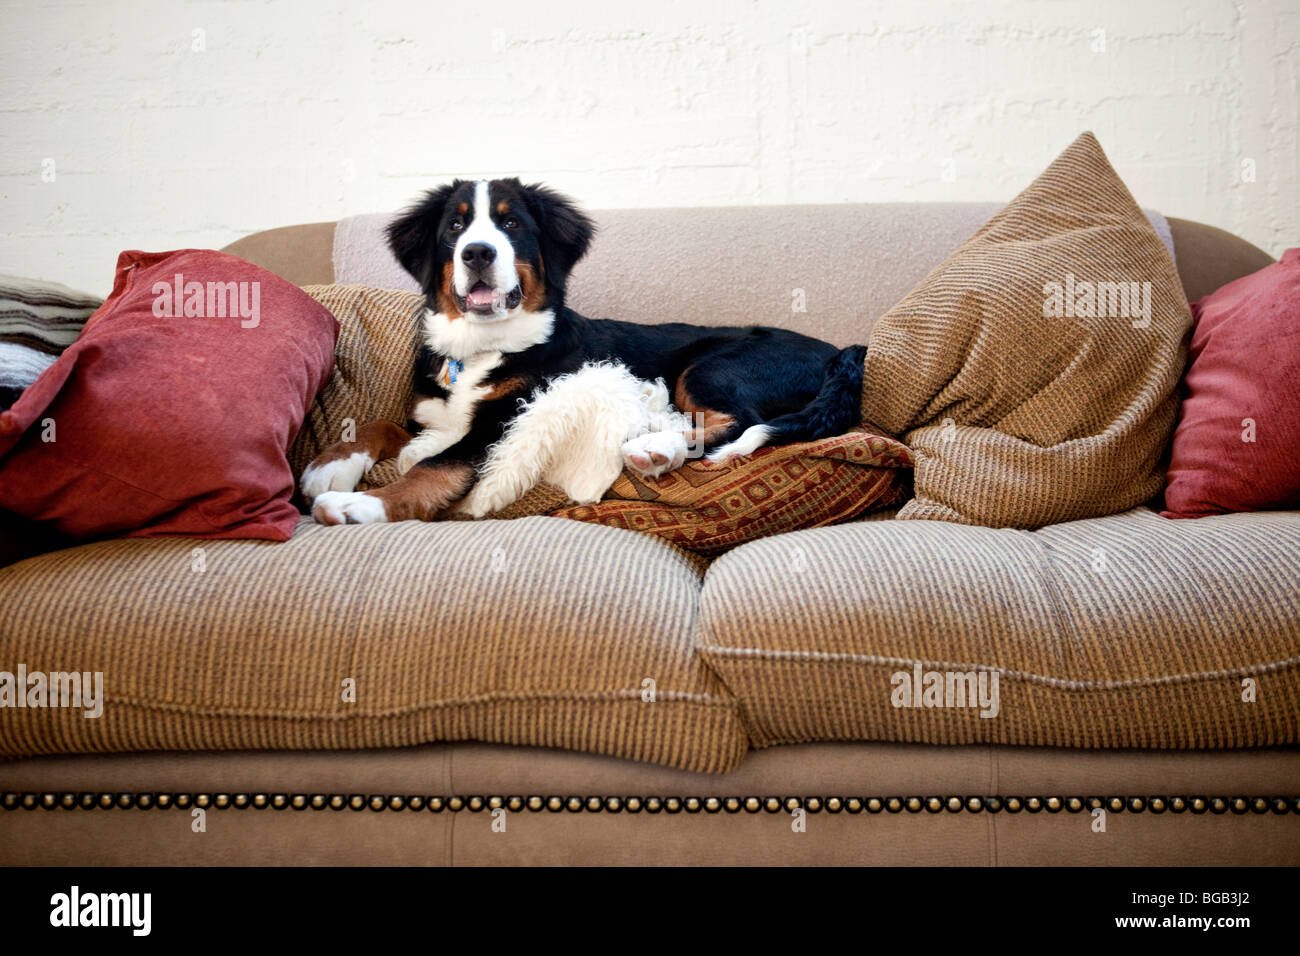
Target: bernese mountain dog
(493, 258)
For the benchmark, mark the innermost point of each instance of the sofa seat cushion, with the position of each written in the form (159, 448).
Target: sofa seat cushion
(537, 631)
(1124, 631)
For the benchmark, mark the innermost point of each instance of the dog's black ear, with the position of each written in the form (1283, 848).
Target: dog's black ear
(413, 236)
(566, 231)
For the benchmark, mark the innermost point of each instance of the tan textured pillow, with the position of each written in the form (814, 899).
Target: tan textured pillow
(1018, 417)
(379, 333)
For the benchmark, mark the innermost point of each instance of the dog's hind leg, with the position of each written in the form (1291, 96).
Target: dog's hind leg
(834, 410)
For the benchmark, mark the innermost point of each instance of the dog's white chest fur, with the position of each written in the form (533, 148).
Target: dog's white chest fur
(446, 421)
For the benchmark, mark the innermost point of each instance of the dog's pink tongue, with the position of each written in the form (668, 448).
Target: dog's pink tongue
(480, 296)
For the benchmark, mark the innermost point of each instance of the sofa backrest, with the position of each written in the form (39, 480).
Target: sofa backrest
(844, 265)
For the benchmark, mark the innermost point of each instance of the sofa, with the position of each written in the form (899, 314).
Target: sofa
(541, 691)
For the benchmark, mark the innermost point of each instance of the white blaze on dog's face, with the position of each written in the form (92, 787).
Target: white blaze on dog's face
(492, 257)
(484, 280)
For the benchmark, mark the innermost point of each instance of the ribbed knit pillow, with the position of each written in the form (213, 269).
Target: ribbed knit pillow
(1033, 373)
(379, 333)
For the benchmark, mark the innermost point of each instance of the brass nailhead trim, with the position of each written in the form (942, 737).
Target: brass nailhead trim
(68, 800)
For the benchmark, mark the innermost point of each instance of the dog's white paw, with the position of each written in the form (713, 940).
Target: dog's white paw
(348, 507)
(427, 444)
(342, 474)
(750, 441)
(655, 453)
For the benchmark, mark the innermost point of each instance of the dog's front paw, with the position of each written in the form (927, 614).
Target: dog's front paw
(424, 445)
(655, 453)
(341, 474)
(348, 507)
(407, 458)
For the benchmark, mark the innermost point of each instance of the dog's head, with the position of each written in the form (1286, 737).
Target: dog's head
(491, 250)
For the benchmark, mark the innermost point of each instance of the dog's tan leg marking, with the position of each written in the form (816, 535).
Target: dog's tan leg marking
(340, 466)
(424, 491)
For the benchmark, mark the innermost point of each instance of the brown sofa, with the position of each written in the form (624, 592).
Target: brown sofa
(503, 665)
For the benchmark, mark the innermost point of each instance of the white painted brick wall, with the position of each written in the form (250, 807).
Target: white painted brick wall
(306, 111)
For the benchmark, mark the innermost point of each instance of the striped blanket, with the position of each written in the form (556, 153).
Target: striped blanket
(38, 320)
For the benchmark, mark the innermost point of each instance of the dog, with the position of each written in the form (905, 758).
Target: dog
(493, 259)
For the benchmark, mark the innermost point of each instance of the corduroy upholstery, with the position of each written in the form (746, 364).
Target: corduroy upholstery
(538, 631)
(1124, 631)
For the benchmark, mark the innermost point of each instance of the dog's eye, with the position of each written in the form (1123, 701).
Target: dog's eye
(511, 223)
(456, 225)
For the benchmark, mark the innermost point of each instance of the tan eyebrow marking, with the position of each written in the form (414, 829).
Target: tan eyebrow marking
(503, 207)
(463, 208)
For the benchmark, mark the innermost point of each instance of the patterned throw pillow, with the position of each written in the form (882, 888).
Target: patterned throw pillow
(1034, 372)
(38, 320)
(709, 507)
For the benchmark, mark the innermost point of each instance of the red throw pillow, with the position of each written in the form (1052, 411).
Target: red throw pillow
(1235, 445)
(172, 412)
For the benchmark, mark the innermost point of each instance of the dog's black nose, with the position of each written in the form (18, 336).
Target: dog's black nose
(478, 255)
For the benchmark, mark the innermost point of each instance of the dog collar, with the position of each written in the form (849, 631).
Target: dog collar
(454, 368)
